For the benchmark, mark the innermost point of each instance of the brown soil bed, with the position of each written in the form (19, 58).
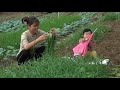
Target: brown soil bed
(109, 46)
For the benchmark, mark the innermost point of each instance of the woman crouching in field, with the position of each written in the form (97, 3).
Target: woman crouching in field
(30, 45)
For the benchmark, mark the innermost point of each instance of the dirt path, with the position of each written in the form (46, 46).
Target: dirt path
(109, 46)
(11, 15)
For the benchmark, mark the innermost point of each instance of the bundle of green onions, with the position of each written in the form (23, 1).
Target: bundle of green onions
(51, 41)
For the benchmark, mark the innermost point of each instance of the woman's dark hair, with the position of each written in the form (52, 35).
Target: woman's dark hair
(87, 30)
(30, 20)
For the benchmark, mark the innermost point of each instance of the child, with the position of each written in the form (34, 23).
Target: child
(30, 45)
(79, 48)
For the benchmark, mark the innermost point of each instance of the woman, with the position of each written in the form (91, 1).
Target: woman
(30, 45)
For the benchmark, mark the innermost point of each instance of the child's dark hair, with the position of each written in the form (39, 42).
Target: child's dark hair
(87, 30)
(30, 20)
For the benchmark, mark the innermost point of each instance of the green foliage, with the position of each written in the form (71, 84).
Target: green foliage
(102, 29)
(51, 43)
(111, 16)
(55, 67)
(53, 21)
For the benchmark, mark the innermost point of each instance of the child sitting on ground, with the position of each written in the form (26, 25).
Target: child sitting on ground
(80, 47)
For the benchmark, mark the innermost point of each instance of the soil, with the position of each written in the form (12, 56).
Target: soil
(11, 15)
(109, 46)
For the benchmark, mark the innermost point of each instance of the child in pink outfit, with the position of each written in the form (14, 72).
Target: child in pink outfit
(81, 49)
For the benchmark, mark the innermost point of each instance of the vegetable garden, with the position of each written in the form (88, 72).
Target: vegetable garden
(69, 29)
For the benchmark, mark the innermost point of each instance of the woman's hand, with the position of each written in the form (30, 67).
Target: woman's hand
(53, 31)
(33, 43)
(42, 37)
